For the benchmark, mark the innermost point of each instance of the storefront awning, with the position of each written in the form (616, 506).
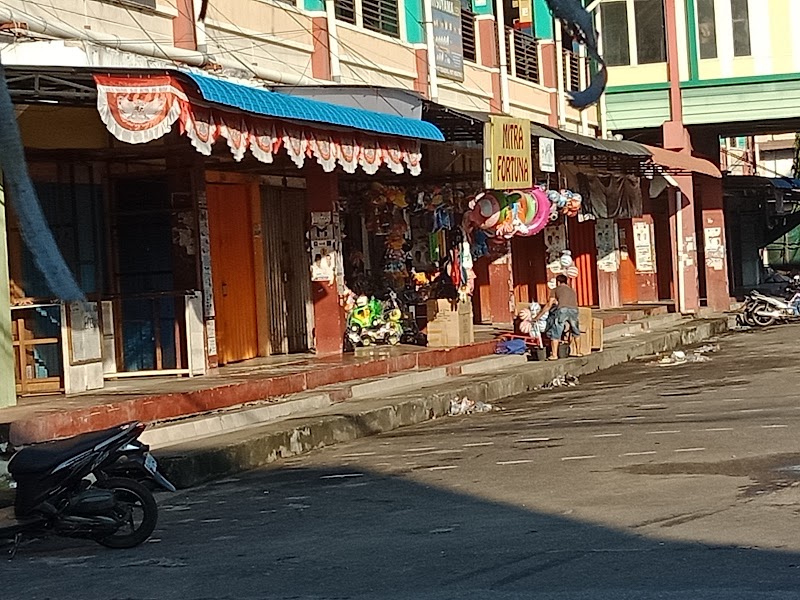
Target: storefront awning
(266, 103)
(143, 107)
(679, 163)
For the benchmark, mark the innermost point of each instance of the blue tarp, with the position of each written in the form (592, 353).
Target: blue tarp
(264, 102)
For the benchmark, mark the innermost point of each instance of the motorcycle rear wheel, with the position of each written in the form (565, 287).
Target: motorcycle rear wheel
(136, 502)
(762, 320)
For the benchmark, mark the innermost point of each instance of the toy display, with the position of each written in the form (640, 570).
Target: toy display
(370, 321)
(521, 213)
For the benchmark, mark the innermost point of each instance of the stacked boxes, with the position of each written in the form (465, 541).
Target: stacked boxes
(449, 324)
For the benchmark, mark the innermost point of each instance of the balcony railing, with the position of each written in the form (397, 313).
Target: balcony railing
(522, 55)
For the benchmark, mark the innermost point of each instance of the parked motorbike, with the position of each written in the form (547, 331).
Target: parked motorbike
(94, 486)
(762, 310)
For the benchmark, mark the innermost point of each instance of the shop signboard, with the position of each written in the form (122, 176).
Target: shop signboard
(507, 153)
(448, 45)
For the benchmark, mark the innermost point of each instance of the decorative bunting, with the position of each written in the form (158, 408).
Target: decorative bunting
(137, 110)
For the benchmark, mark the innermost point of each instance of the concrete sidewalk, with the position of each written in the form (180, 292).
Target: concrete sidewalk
(382, 405)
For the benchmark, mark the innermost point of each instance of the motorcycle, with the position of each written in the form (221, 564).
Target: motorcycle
(762, 310)
(94, 486)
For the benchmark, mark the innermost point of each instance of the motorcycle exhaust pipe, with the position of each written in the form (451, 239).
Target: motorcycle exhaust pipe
(775, 314)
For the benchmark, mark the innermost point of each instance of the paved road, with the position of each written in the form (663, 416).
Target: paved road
(642, 482)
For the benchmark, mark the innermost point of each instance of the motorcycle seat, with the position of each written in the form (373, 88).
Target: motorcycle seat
(40, 458)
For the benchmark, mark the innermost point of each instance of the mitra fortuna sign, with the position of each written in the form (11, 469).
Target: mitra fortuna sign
(507, 154)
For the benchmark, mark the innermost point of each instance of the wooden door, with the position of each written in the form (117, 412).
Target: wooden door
(230, 228)
(530, 270)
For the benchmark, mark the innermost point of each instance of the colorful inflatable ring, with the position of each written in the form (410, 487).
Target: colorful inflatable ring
(542, 216)
(489, 207)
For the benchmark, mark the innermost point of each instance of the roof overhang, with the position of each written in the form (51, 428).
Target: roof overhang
(679, 163)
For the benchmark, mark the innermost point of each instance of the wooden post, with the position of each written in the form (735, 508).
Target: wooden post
(8, 394)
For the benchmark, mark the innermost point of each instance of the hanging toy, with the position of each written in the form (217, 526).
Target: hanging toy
(566, 258)
(572, 272)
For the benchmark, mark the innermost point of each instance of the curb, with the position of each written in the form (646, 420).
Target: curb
(202, 460)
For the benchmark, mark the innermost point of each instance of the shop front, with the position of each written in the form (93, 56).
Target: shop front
(189, 259)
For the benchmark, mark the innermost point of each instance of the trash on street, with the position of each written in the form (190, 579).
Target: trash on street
(465, 406)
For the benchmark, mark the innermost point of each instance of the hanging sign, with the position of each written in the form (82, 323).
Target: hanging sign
(448, 45)
(547, 155)
(507, 148)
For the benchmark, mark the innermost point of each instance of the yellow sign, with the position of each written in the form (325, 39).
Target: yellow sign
(507, 153)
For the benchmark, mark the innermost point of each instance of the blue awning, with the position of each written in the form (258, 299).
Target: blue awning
(295, 108)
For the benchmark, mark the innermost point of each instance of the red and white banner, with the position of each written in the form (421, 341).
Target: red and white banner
(137, 110)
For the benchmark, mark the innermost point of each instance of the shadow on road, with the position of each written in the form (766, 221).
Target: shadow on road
(311, 533)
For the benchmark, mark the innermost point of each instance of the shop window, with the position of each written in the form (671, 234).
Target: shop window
(616, 42)
(651, 42)
(741, 28)
(345, 10)
(468, 33)
(381, 16)
(707, 28)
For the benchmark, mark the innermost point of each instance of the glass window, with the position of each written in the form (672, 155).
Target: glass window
(616, 43)
(741, 28)
(381, 16)
(706, 28)
(651, 39)
(345, 10)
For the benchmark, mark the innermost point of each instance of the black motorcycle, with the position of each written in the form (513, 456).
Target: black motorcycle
(94, 486)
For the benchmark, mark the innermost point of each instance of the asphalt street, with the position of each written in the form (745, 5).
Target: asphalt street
(645, 481)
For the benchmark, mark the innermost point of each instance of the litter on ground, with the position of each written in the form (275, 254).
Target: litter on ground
(465, 406)
(561, 381)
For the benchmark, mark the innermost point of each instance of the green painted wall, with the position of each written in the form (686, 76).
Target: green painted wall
(691, 32)
(415, 19)
(315, 5)
(635, 109)
(722, 101)
(8, 394)
(542, 20)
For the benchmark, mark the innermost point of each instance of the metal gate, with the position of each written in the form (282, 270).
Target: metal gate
(288, 270)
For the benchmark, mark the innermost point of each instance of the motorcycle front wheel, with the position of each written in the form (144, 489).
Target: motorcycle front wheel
(136, 507)
(762, 320)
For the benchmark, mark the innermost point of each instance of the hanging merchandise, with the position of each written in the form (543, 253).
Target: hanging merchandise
(521, 213)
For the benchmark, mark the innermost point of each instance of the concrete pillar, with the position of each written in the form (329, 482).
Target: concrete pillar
(320, 55)
(183, 26)
(682, 224)
(549, 73)
(8, 394)
(486, 27)
(501, 289)
(714, 245)
(322, 191)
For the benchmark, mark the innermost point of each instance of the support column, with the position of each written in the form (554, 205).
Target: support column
(501, 289)
(716, 260)
(486, 29)
(682, 224)
(8, 394)
(322, 191)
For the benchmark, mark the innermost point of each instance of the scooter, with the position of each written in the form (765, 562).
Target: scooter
(94, 486)
(762, 310)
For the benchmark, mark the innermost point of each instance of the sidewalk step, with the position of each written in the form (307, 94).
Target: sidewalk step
(199, 460)
(171, 433)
